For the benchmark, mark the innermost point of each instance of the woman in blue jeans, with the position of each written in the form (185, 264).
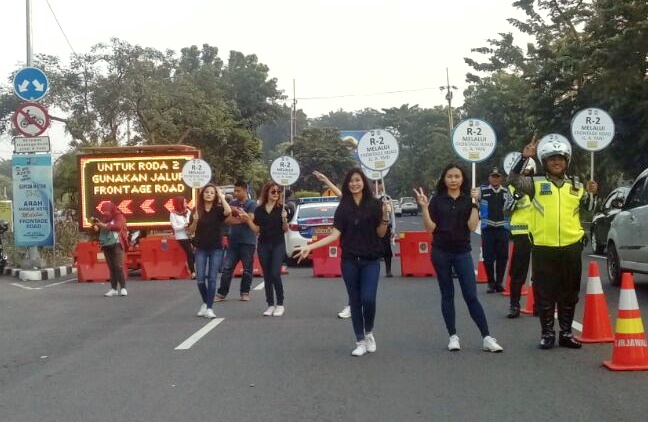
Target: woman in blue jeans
(360, 222)
(270, 221)
(450, 216)
(207, 228)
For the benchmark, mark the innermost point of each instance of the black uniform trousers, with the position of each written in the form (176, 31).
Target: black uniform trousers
(557, 278)
(495, 243)
(519, 266)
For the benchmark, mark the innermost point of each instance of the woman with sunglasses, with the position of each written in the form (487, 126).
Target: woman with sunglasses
(360, 222)
(270, 221)
(207, 228)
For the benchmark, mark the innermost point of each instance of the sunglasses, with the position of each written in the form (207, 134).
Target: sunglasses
(275, 191)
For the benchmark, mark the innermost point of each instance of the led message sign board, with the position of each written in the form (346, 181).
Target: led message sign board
(142, 185)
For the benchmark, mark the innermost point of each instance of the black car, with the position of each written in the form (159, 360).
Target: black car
(603, 217)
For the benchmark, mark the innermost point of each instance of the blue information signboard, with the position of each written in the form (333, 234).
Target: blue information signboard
(31, 84)
(33, 200)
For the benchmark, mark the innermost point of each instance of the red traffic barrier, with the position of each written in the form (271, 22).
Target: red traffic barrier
(327, 261)
(415, 254)
(162, 259)
(91, 263)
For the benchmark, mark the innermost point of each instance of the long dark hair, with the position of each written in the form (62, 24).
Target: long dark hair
(347, 196)
(441, 186)
(265, 193)
(200, 206)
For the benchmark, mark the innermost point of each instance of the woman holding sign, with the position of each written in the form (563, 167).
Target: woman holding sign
(270, 221)
(360, 222)
(207, 228)
(450, 216)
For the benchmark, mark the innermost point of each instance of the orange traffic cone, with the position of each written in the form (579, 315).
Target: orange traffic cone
(528, 307)
(630, 351)
(596, 319)
(481, 270)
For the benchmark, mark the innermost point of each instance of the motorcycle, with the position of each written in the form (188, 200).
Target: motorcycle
(4, 227)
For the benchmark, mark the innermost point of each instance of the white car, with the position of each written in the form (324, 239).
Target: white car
(408, 205)
(313, 215)
(397, 208)
(627, 241)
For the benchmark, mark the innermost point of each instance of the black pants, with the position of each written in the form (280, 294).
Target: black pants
(495, 242)
(188, 248)
(388, 254)
(557, 278)
(519, 266)
(115, 259)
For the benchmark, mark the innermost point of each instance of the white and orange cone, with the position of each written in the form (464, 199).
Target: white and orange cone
(596, 318)
(630, 351)
(481, 270)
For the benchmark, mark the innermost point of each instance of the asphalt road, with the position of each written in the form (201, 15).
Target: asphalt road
(69, 354)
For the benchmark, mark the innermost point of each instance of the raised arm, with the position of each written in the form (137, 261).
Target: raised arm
(422, 200)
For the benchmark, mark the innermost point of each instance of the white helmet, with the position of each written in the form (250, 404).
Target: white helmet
(554, 144)
(530, 167)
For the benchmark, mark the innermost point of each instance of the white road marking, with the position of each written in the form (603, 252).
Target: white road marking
(25, 287)
(41, 288)
(260, 286)
(186, 345)
(60, 282)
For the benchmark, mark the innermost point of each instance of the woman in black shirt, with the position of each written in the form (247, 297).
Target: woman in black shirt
(207, 228)
(450, 216)
(270, 220)
(360, 222)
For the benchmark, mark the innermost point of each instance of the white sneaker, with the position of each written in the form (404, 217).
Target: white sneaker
(203, 310)
(123, 292)
(111, 293)
(345, 313)
(269, 311)
(279, 311)
(371, 342)
(361, 348)
(490, 345)
(453, 344)
(210, 314)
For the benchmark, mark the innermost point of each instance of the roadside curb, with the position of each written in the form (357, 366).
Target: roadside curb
(42, 274)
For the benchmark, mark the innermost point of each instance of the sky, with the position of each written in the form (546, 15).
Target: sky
(341, 54)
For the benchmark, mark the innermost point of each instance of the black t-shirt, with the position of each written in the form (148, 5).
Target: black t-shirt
(451, 217)
(358, 227)
(271, 226)
(209, 230)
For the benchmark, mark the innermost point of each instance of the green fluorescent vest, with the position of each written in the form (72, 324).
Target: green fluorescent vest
(556, 213)
(522, 214)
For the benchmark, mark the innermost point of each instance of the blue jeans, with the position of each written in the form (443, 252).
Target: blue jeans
(271, 257)
(361, 280)
(463, 265)
(207, 264)
(237, 252)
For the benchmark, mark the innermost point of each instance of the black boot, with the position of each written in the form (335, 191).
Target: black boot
(491, 288)
(514, 312)
(388, 272)
(565, 319)
(548, 339)
(499, 288)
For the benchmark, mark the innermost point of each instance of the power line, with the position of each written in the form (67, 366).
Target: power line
(366, 95)
(60, 27)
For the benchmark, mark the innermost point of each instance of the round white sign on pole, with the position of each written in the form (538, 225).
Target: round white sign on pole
(284, 170)
(374, 174)
(474, 140)
(592, 129)
(196, 173)
(378, 149)
(509, 160)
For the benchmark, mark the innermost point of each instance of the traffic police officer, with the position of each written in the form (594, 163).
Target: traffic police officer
(519, 207)
(557, 236)
(495, 231)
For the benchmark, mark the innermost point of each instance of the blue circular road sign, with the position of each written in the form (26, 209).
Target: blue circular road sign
(30, 84)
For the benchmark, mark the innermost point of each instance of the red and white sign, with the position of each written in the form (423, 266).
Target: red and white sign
(31, 119)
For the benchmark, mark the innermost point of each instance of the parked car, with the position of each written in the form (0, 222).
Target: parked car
(397, 208)
(313, 214)
(408, 205)
(603, 217)
(627, 241)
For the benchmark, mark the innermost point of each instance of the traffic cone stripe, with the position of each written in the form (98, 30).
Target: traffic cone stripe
(628, 300)
(629, 326)
(630, 313)
(594, 288)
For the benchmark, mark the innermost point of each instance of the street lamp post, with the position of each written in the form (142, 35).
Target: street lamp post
(448, 88)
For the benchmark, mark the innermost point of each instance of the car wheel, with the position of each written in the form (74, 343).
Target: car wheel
(613, 265)
(597, 246)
